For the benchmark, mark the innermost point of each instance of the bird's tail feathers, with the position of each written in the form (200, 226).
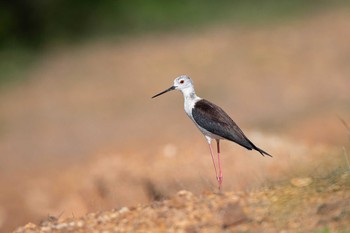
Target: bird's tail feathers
(263, 153)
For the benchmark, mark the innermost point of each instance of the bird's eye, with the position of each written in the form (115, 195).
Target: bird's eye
(182, 81)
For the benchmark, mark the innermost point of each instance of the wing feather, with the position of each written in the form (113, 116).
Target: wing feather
(212, 118)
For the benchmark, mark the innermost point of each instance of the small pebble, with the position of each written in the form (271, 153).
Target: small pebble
(123, 210)
(80, 223)
(301, 182)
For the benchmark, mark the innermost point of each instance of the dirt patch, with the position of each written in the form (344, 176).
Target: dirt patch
(321, 205)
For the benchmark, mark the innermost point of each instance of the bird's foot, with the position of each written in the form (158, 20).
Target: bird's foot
(220, 179)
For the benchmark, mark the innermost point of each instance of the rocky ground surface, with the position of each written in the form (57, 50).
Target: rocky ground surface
(301, 205)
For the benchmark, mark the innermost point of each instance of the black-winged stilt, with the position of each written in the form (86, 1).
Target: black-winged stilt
(211, 120)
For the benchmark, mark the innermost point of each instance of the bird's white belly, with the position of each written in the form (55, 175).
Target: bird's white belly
(207, 133)
(189, 105)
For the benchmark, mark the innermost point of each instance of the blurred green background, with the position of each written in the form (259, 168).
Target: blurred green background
(27, 27)
(36, 23)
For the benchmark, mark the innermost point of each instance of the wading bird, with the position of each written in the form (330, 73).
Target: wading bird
(211, 120)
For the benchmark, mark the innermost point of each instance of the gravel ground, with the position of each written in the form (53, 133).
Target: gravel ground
(302, 205)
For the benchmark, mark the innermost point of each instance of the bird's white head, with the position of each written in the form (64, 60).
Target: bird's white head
(182, 83)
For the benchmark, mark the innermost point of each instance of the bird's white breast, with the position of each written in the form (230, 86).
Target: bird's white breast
(190, 100)
(189, 105)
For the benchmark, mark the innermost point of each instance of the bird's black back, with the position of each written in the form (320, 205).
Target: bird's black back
(215, 120)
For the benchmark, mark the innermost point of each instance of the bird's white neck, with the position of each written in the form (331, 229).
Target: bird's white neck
(189, 94)
(190, 99)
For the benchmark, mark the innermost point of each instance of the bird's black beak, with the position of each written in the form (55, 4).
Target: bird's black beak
(169, 89)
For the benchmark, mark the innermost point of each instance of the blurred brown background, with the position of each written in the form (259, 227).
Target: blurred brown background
(79, 131)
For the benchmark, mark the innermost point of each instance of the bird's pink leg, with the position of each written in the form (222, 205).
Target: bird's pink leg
(212, 157)
(220, 177)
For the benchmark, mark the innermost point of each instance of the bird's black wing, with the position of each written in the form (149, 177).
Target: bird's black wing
(212, 118)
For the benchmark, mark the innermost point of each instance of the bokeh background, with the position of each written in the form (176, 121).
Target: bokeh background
(79, 131)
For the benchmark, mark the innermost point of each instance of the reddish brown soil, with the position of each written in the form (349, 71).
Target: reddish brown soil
(309, 205)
